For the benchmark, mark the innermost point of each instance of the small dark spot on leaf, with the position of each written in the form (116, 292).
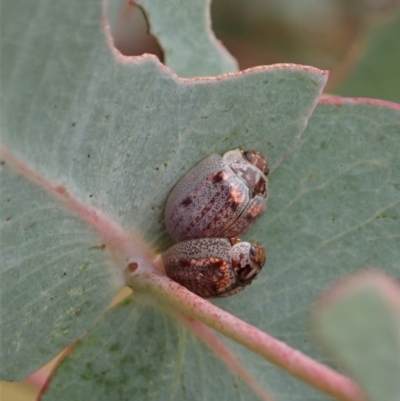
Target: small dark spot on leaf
(65, 273)
(73, 124)
(99, 247)
(55, 106)
(8, 200)
(323, 145)
(165, 165)
(29, 227)
(382, 137)
(114, 347)
(384, 216)
(8, 218)
(397, 186)
(2, 162)
(90, 195)
(204, 117)
(88, 155)
(311, 177)
(107, 116)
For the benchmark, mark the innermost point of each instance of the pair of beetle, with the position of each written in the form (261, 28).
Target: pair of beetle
(214, 203)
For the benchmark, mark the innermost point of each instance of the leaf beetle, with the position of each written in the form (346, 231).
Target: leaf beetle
(214, 267)
(222, 196)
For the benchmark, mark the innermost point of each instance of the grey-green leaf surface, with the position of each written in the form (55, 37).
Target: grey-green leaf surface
(55, 279)
(360, 325)
(334, 207)
(139, 352)
(184, 33)
(117, 134)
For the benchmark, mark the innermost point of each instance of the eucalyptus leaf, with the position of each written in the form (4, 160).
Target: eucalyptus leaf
(334, 207)
(52, 270)
(139, 352)
(190, 47)
(117, 134)
(359, 323)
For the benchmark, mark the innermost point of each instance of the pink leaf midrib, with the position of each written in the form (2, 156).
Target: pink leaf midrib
(127, 249)
(123, 246)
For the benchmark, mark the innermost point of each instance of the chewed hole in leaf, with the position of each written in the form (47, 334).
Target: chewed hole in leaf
(130, 31)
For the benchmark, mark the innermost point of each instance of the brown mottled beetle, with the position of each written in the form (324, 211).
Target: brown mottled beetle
(219, 197)
(214, 267)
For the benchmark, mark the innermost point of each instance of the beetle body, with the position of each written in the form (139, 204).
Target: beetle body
(214, 267)
(219, 197)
